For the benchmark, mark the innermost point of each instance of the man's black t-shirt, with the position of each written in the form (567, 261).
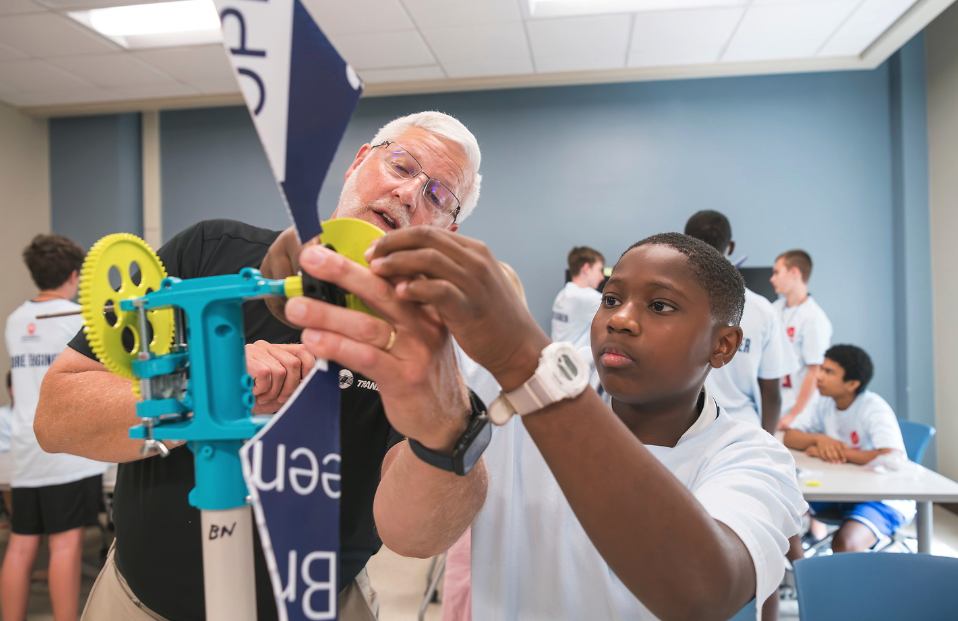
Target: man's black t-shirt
(158, 545)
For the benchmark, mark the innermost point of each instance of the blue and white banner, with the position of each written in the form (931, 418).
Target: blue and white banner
(299, 91)
(292, 470)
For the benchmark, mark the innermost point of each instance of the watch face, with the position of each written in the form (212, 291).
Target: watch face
(567, 367)
(477, 444)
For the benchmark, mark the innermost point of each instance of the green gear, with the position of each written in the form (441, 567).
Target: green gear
(120, 256)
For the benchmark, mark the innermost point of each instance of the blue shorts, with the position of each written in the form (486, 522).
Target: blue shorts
(878, 517)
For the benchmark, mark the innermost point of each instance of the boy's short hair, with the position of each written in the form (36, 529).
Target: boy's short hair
(580, 256)
(856, 363)
(51, 259)
(799, 259)
(711, 227)
(712, 271)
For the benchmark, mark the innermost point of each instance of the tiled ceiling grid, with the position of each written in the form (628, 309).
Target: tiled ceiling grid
(48, 59)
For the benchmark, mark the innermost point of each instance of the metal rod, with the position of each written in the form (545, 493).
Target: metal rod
(106, 309)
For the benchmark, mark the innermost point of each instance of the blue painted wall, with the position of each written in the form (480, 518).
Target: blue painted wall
(831, 162)
(96, 176)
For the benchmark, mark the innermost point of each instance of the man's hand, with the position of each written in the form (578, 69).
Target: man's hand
(831, 450)
(277, 371)
(462, 280)
(422, 390)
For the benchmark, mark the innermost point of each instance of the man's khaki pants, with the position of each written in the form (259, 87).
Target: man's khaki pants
(111, 599)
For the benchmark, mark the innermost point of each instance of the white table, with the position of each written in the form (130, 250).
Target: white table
(821, 481)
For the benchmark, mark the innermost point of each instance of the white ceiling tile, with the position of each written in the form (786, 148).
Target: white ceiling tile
(481, 50)
(205, 68)
(42, 35)
(9, 53)
(62, 5)
(384, 50)
(14, 7)
(111, 70)
(779, 31)
(864, 26)
(405, 74)
(681, 37)
(579, 43)
(429, 14)
(336, 17)
(36, 75)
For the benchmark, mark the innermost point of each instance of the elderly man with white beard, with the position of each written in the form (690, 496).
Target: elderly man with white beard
(421, 169)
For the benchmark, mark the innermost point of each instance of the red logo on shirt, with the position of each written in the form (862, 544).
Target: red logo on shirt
(31, 328)
(855, 438)
(791, 333)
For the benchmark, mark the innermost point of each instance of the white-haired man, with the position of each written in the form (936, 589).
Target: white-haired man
(422, 169)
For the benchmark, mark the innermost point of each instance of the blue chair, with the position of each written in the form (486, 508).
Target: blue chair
(747, 613)
(877, 587)
(917, 437)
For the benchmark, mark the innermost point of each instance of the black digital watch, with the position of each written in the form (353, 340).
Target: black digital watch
(469, 447)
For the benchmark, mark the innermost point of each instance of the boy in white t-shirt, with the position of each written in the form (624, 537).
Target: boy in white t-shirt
(851, 424)
(748, 387)
(807, 327)
(577, 302)
(661, 506)
(53, 494)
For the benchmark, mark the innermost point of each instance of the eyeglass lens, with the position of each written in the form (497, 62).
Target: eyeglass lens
(406, 166)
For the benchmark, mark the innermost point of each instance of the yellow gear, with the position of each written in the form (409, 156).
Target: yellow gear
(117, 258)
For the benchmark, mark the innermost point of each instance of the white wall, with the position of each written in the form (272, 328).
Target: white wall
(942, 64)
(24, 207)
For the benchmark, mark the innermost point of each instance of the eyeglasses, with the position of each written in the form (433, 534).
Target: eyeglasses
(402, 164)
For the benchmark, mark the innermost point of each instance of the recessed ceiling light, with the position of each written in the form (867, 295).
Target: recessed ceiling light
(563, 8)
(163, 24)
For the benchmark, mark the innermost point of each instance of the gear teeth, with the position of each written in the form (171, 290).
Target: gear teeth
(119, 251)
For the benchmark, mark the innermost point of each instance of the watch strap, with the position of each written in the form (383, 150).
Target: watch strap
(462, 459)
(530, 397)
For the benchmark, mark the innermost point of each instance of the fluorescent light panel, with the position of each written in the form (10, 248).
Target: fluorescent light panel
(565, 8)
(163, 24)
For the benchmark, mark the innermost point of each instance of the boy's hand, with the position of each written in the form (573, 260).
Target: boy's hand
(812, 451)
(831, 450)
(462, 280)
(418, 377)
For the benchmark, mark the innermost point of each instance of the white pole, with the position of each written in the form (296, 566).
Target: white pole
(228, 564)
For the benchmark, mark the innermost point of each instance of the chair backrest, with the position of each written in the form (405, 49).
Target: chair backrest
(917, 437)
(877, 587)
(747, 613)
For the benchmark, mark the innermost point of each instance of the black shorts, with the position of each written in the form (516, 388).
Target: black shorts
(56, 508)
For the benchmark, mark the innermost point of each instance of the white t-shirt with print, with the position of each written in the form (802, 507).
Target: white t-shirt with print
(572, 314)
(33, 345)
(810, 332)
(867, 424)
(765, 353)
(532, 560)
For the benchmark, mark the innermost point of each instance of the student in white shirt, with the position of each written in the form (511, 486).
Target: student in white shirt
(851, 424)
(807, 327)
(54, 494)
(658, 507)
(748, 387)
(577, 302)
